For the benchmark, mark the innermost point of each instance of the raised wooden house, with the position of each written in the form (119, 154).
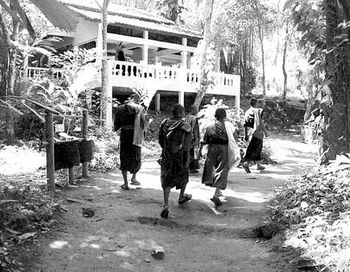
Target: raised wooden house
(158, 52)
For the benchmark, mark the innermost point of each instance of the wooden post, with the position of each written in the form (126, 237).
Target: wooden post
(182, 98)
(238, 96)
(184, 54)
(145, 47)
(71, 175)
(157, 101)
(50, 155)
(85, 135)
(109, 97)
(99, 43)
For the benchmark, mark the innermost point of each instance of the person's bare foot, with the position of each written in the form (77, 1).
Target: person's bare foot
(134, 182)
(124, 187)
(185, 198)
(260, 167)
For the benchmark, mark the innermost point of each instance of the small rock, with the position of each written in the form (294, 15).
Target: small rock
(157, 254)
(147, 260)
(306, 264)
(88, 212)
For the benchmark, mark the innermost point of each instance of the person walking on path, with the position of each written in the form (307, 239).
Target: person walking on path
(254, 134)
(175, 141)
(130, 118)
(192, 119)
(223, 153)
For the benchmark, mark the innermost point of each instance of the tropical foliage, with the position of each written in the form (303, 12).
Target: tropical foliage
(13, 21)
(325, 29)
(315, 207)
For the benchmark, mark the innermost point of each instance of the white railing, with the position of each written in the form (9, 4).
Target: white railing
(170, 78)
(130, 74)
(139, 70)
(40, 72)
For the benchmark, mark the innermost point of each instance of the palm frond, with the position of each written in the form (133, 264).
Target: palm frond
(11, 107)
(42, 119)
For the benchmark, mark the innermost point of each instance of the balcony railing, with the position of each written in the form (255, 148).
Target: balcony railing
(130, 74)
(40, 72)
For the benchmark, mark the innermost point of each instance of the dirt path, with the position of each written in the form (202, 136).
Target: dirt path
(126, 226)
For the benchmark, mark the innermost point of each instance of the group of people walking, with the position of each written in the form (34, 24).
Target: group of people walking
(181, 147)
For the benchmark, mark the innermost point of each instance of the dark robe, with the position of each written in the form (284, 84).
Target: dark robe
(255, 134)
(175, 140)
(216, 168)
(130, 155)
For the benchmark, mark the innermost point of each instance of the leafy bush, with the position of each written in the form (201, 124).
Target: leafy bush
(316, 208)
(106, 155)
(25, 211)
(208, 112)
(153, 128)
(281, 115)
(29, 126)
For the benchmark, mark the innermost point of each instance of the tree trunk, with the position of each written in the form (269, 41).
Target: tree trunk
(10, 88)
(104, 87)
(203, 75)
(5, 43)
(261, 38)
(285, 76)
(335, 103)
(243, 69)
(346, 9)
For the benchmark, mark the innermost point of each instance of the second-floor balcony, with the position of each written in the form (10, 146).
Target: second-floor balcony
(161, 78)
(128, 74)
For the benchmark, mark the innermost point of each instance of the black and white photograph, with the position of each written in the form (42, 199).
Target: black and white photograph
(174, 135)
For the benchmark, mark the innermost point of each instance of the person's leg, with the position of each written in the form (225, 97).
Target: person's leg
(184, 197)
(216, 200)
(259, 148)
(246, 160)
(125, 186)
(166, 194)
(217, 192)
(134, 181)
(182, 191)
(192, 165)
(136, 164)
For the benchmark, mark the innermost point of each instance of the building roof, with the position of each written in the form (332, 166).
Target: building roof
(128, 16)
